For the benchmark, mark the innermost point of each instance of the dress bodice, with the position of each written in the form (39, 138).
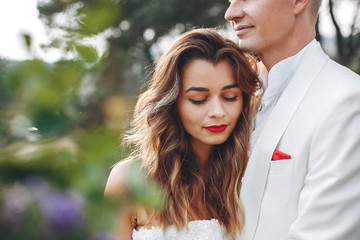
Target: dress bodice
(198, 230)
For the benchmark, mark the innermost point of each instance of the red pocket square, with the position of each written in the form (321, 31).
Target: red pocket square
(277, 155)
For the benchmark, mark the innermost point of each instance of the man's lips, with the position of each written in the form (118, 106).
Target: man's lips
(241, 29)
(217, 128)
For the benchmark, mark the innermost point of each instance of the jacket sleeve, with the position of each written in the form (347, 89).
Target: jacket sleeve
(329, 203)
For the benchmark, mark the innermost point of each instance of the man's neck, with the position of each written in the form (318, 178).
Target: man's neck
(298, 40)
(274, 56)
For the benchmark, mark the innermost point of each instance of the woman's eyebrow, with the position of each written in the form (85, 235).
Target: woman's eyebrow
(201, 89)
(230, 86)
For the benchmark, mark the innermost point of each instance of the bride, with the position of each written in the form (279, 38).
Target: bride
(191, 130)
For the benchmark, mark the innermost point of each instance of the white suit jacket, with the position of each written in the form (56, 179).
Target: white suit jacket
(315, 195)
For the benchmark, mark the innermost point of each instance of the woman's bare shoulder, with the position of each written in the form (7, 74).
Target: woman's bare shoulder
(116, 183)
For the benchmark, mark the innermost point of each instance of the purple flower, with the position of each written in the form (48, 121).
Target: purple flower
(62, 210)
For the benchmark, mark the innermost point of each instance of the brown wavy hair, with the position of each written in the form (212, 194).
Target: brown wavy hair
(160, 142)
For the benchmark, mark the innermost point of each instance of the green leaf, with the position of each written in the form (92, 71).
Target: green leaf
(143, 190)
(95, 18)
(27, 39)
(87, 53)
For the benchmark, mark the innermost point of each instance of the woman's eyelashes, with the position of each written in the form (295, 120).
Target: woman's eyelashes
(231, 99)
(198, 102)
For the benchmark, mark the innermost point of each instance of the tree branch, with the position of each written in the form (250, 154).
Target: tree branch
(351, 44)
(339, 36)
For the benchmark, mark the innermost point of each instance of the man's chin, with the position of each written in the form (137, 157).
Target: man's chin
(247, 46)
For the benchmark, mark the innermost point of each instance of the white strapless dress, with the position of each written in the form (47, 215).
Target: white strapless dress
(198, 230)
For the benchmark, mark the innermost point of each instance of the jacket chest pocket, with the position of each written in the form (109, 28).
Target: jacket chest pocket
(282, 167)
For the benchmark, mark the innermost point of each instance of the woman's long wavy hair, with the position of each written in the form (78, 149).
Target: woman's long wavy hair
(159, 140)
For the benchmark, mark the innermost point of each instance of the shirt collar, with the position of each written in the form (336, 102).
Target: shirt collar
(282, 72)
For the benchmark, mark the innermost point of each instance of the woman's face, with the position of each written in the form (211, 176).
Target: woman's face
(210, 102)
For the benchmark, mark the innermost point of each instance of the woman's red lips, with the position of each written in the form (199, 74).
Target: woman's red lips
(217, 128)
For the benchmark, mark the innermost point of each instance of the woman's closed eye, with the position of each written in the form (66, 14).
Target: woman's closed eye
(197, 102)
(231, 99)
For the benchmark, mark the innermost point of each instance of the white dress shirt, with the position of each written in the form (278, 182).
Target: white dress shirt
(277, 80)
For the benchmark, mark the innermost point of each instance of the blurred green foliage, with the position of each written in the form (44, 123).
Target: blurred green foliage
(44, 135)
(134, 30)
(59, 138)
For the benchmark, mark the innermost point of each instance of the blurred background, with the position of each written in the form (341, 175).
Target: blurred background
(70, 72)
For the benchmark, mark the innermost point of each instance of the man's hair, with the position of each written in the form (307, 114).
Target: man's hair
(314, 8)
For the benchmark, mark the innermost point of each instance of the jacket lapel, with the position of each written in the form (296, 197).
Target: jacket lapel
(256, 174)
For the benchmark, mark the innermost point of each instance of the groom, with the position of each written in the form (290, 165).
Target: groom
(303, 175)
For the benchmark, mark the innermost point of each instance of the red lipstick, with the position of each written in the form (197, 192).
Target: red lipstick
(217, 128)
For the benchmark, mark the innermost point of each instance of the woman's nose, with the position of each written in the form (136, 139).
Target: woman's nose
(216, 109)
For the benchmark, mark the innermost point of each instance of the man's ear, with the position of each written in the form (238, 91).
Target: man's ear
(300, 5)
